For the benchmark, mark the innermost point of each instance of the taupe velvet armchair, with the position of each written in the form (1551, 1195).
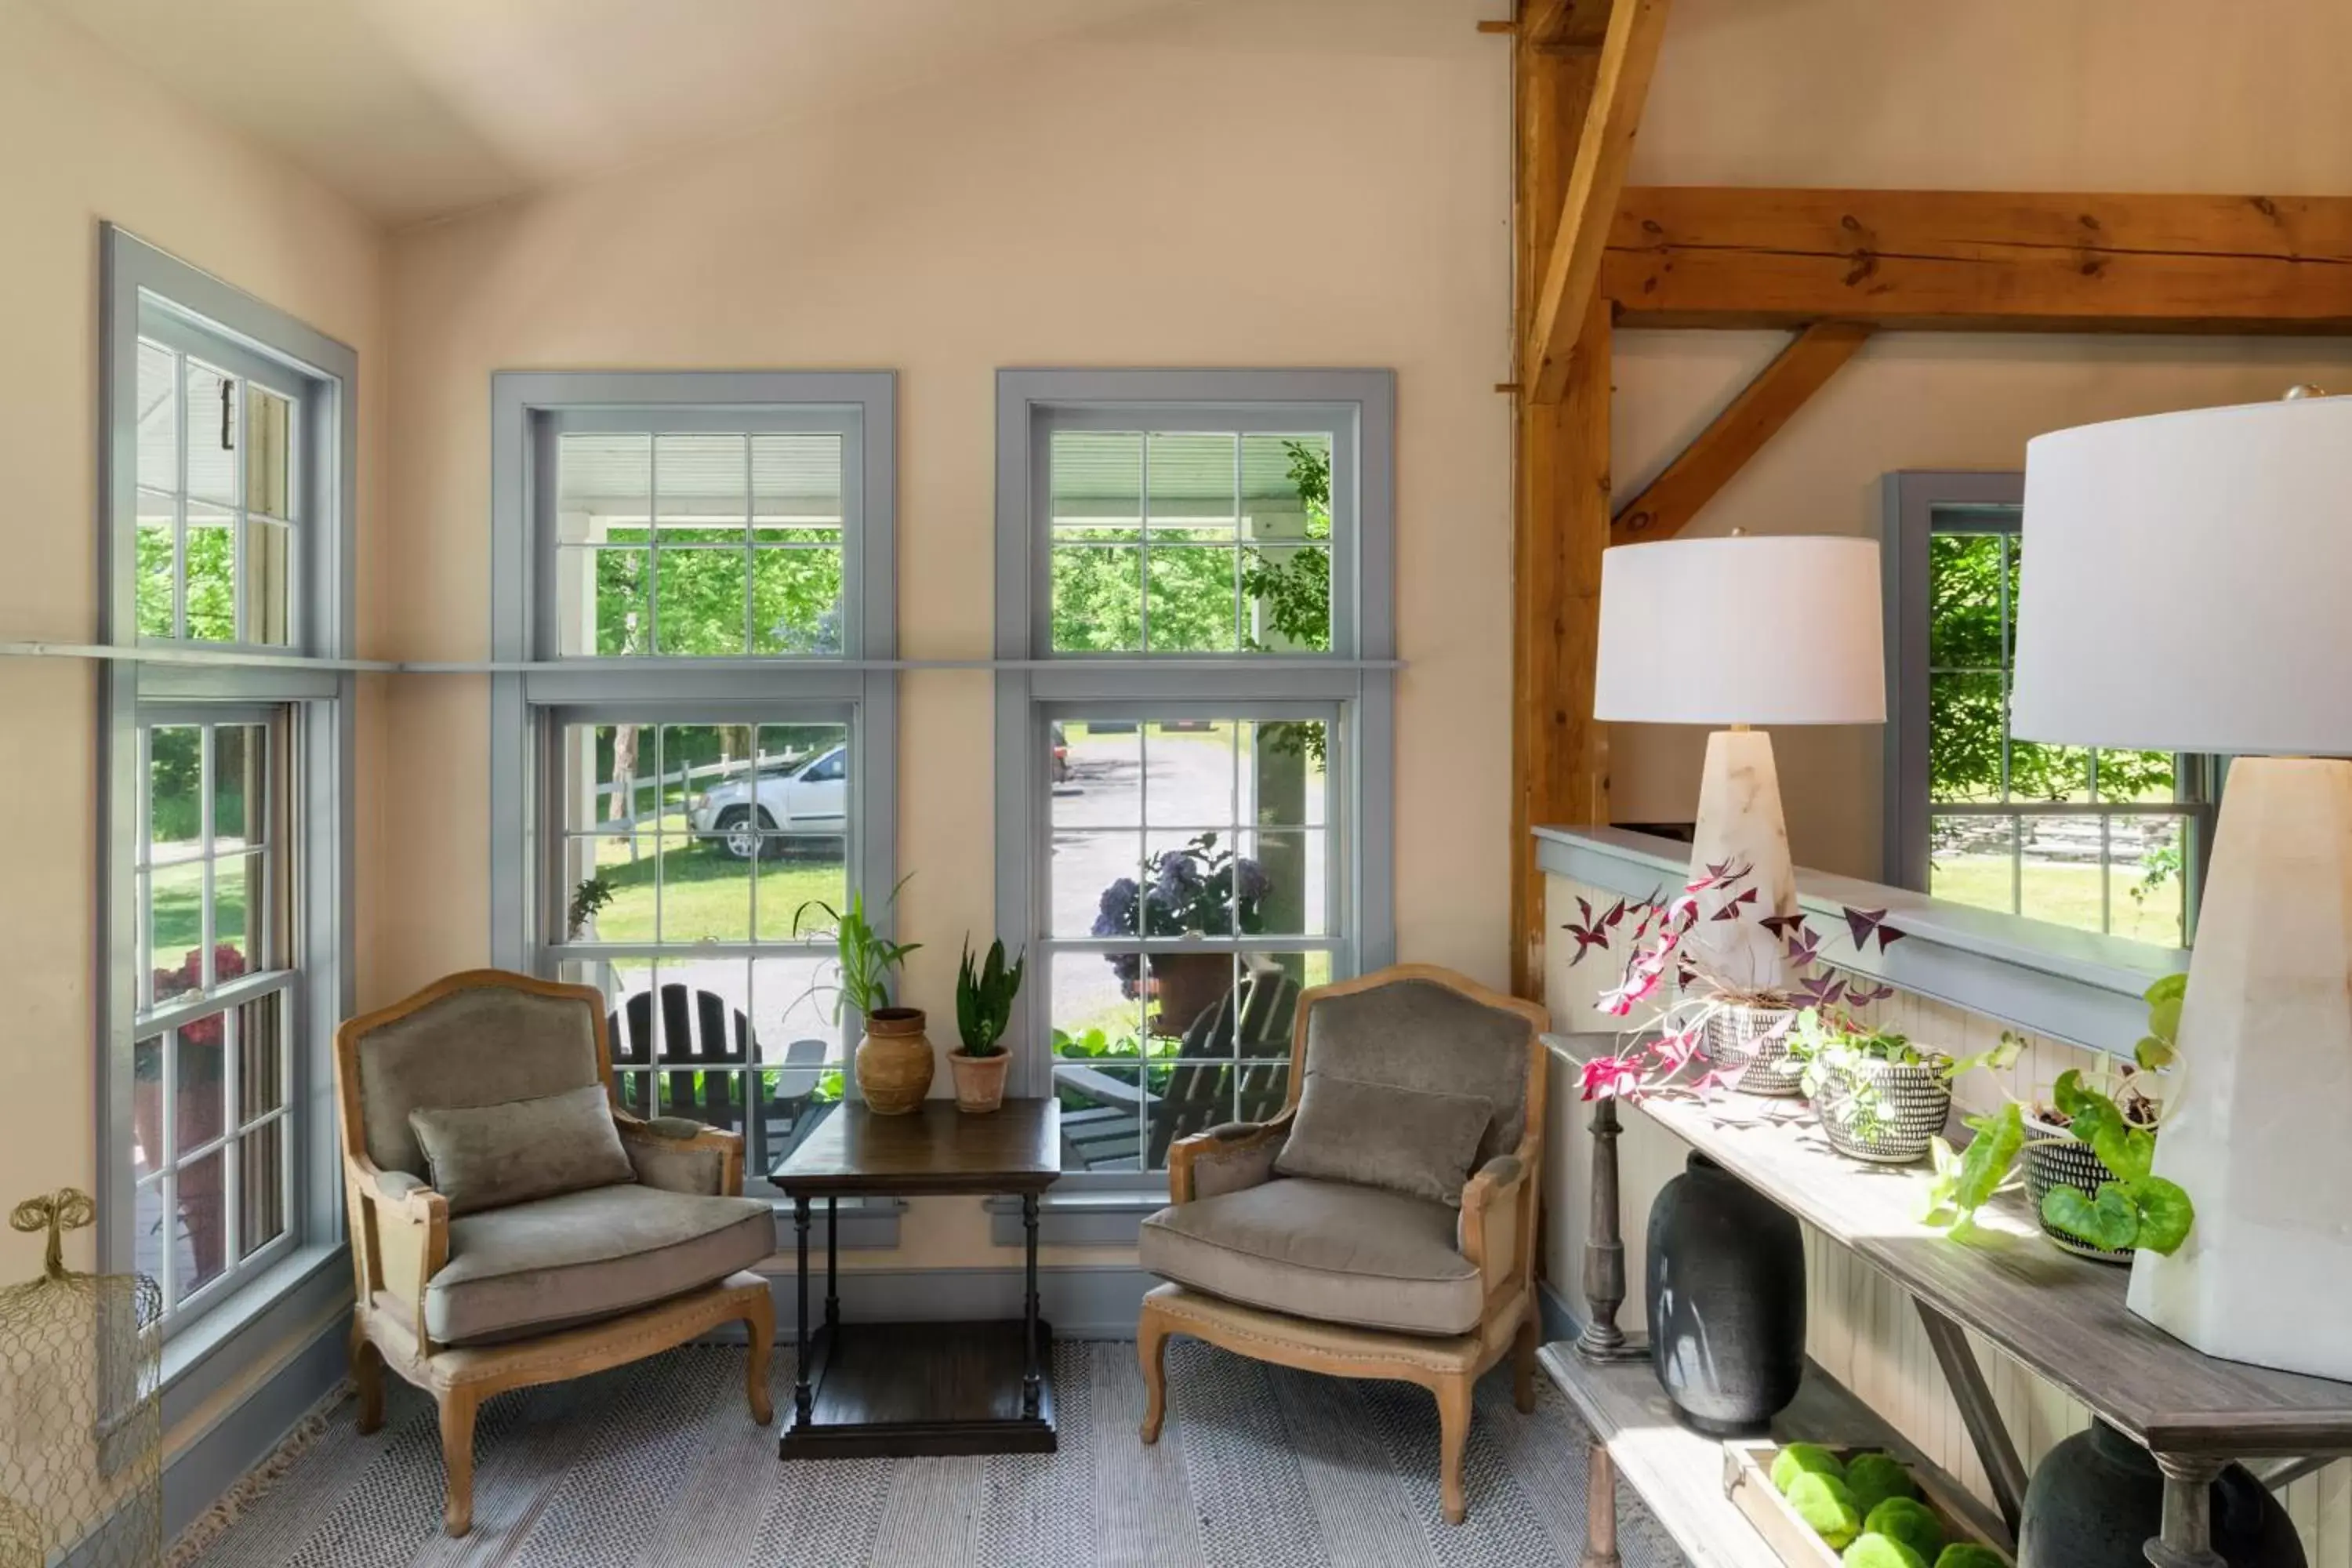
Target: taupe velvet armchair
(502, 1296)
(1362, 1280)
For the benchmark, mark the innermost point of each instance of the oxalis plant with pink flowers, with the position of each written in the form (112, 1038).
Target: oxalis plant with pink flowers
(1671, 948)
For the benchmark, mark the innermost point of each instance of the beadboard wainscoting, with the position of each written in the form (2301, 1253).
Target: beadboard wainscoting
(1860, 1327)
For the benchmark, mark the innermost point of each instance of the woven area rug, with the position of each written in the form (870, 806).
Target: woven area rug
(659, 1466)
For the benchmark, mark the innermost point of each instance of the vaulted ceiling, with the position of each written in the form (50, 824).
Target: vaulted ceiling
(417, 108)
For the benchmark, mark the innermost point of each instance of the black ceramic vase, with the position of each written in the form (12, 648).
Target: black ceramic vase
(2097, 1498)
(1726, 1277)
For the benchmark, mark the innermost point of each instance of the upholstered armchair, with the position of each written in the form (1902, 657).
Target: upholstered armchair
(1382, 1225)
(509, 1224)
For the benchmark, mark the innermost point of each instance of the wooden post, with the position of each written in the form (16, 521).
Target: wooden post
(1559, 768)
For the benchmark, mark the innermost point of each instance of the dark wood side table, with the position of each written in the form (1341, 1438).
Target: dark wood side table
(897, 1389)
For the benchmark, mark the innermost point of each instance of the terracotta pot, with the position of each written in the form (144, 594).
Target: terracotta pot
(1186, 985)
(199, 1186)
(894, 1061)
(979, 1080)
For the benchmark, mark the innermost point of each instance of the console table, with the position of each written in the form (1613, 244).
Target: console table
(900, 1389)
(2062, 1317)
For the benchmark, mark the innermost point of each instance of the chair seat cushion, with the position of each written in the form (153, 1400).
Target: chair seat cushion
(1325, 1250)
(553, 1262)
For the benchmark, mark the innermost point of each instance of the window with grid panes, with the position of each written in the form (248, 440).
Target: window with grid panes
(700, 764)
(211, 1065)
(2099, 840)
(1196, 571)
(227, 877)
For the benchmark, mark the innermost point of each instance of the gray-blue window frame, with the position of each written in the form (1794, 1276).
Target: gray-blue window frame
(141, 287)
(1357, 678)
(1910, 500)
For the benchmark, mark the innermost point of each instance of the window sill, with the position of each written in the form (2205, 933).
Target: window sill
(868, 1224)
(2048, 979)
(1109, 1218)
(275, 1304)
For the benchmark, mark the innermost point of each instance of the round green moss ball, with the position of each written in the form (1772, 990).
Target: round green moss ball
(1874, 1478)
(1826, 1507)
(1803, 1460)
(1908, 1521)
(1881, 1551)
(1968, 1554)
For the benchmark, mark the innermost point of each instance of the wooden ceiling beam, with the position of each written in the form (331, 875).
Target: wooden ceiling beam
(1669, 501)
(1981, 260)
(1629, 54)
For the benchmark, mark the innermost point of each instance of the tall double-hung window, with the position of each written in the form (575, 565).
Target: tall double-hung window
(228, 512)
(1196, 648)
(692, 756)
(2103, 840)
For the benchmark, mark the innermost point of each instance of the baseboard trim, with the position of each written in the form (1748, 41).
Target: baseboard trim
(1558, 1321)
(250, 1431)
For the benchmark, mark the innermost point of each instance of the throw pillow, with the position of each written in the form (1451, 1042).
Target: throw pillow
(1410, 1141)
(487, 1156)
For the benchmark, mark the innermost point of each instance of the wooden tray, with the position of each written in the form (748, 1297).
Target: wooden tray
(1747, 1482)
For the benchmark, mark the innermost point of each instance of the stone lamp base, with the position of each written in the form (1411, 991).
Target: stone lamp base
(2258, 1138)
(1739, 823)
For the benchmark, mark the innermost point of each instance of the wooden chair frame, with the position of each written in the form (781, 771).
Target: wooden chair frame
(400, 1240)
(1497, 1235)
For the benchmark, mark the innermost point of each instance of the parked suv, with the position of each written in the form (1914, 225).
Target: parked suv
(811, 799)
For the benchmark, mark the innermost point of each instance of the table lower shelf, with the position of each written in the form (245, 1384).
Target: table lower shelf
(1679, 1473)
(899, 1390)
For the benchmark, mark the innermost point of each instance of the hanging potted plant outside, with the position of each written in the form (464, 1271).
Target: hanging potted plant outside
(984, 994)
(1194, 890)
(200, 1050)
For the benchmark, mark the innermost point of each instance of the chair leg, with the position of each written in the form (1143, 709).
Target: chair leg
(1452, 1436)
(1523, 1365)
(458, 1461)
(367, 1376)
(760, 1322)
(1152, 1348)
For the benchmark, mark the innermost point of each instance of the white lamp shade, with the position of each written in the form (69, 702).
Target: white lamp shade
(2184, 582)
(1765, 629)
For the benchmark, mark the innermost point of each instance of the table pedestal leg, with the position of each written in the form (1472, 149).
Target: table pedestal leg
(802, 1399)
(1029, 1385)
(2187, 1538)
(832, 1271)
(1604, 1251)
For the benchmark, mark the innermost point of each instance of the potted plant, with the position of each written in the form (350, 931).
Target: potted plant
(1880, 1097)
(2090, 1154)
(1725, 1011)
(201, 1050)
(984, 994)
(894, 1058)
(1194, 890)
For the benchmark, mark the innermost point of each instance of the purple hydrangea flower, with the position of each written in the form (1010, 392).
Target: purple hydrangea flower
(1250, 881)
(1116, 916)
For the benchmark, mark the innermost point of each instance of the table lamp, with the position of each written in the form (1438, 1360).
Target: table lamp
(1745, 630)
(2183, 589)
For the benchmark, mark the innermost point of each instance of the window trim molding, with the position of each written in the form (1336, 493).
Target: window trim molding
(518, 400)
(1360, 677)
(134, 275)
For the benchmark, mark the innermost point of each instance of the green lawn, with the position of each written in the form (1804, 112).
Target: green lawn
(2063, 894)
(705, 892)
(177, 900)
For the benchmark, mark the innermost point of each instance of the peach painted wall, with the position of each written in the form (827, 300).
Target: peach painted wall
(82, 138)
(2164, 95)
(1183, 193)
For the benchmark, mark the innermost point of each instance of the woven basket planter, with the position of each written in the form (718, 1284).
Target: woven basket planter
(2066, 1164)
(1891, 1125)
(1754, 1041)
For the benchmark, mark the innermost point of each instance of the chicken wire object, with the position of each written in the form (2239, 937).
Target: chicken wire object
(80, 1421)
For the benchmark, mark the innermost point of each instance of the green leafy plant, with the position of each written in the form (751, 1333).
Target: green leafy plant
(984, 993)
(590, 896)
(2117, 1117)
(1835, 1052)
(863, 959)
